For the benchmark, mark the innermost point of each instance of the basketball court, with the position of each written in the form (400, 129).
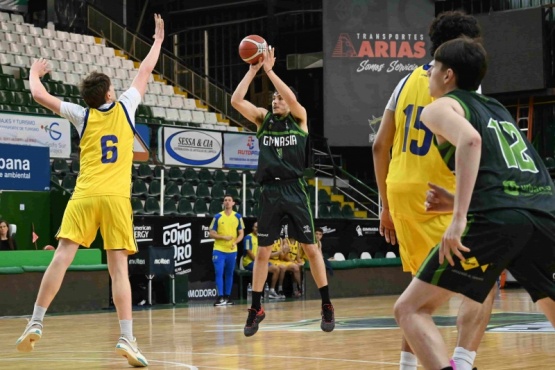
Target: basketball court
(206, 337)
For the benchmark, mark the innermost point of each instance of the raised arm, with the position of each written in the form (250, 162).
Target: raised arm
(297, 110)
(39, 69)
(140, 81)
(246, 108)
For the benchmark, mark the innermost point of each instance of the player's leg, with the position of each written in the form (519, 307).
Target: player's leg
(218, 259)
(78, 223)
(413, 312)
(229, 268)
(260, 272)
(116, 227)
(274, 270)
(472, 321)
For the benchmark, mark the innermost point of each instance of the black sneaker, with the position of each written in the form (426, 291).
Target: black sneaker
(220, 301)
(228, 301)
(255, 318)
(328, 318)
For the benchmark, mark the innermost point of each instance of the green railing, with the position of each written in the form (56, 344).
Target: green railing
(168, 66)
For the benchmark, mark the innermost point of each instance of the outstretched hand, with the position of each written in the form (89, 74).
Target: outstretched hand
(41, 67)
(438, 199)
(159, 28)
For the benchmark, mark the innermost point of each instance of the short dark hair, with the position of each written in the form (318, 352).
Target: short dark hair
(94, 89)
(451, 25)
(230, 196)
(8, 234)
(319, 229)
(468, 60)
(295, 92)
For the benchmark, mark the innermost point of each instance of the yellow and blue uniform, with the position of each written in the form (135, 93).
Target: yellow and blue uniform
(102, 194)
(225, 251)
(415, 161)
(294, 249)
(250, 243)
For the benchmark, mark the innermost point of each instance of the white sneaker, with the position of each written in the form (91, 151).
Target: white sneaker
(129, 350)
(31, 335)
(274, 295)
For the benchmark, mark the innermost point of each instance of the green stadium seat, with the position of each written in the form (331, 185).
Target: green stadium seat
(75, 166)
(152, 207)
(191, 176)
(154, 188)
(170, 207)
(324, 212)
(221, 177)
(335, 210)
(248, 198)
(203, 192)
(145, 172)
(200, 207)
(139, 188)
(137, 205)
(60, 167)
(234, 193)
(171, 190)
(218, 192)
(188, 192)
(22, 98)
(158, 172)
(15, 84)
(6, 97)
(347, 211)
(250, 178)
(68, 182)
(184, 208)
(234, 178)
(205, 176)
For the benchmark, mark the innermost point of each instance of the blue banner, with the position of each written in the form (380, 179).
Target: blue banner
(24, 167)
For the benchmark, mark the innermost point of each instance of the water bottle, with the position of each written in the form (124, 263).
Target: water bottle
(266, 293)
(249, 295)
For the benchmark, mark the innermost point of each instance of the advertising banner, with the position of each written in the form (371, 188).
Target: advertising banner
(24, 167)
(192, 147)
(240, 151)
(52, 132)
(368, 47)
(141, 143)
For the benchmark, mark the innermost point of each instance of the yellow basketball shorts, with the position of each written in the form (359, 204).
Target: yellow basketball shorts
(417, 238)
(112, 214)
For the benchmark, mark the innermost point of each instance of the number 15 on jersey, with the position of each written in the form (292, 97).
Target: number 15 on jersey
(413, 144)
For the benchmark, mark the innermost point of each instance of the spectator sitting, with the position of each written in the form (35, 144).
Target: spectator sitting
(249, 255)
(7, 243)
(290, 257)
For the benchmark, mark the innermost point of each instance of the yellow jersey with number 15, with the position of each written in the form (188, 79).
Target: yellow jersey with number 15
(415, 160)
(106, 153)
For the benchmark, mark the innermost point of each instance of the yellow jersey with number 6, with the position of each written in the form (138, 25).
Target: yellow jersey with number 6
(415, 160)
(106, 153)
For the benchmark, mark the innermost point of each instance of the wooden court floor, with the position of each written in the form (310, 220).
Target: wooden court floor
(207, 337)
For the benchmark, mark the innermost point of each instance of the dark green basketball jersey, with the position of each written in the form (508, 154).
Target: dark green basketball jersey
(511, 173)
(282, 149)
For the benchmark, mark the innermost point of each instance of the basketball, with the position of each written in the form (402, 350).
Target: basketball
(251, 48)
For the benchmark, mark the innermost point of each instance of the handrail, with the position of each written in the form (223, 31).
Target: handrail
(168, 65)
(356, 190)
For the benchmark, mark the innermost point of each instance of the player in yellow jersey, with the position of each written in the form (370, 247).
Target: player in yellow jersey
(102, 195)
(227, 229)
(403, 181)
(292, 254)
(250, 251)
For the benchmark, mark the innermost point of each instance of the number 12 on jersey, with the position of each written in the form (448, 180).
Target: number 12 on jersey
(418, 125)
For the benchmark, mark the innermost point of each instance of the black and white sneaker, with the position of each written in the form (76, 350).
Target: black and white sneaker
(220, 302)
(228, 301)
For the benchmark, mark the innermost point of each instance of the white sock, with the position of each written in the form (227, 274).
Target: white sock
(273, 291)
(408, 361)
(463, 358)
(281, 288)
(38, 314)
(126, 327)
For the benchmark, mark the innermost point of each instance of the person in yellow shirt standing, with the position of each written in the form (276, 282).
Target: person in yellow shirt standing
(227, 229)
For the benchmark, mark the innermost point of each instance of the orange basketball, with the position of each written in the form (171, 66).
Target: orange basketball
(252, 48)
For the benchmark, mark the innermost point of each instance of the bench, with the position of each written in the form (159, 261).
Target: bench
(85, 286)
(361, 277)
